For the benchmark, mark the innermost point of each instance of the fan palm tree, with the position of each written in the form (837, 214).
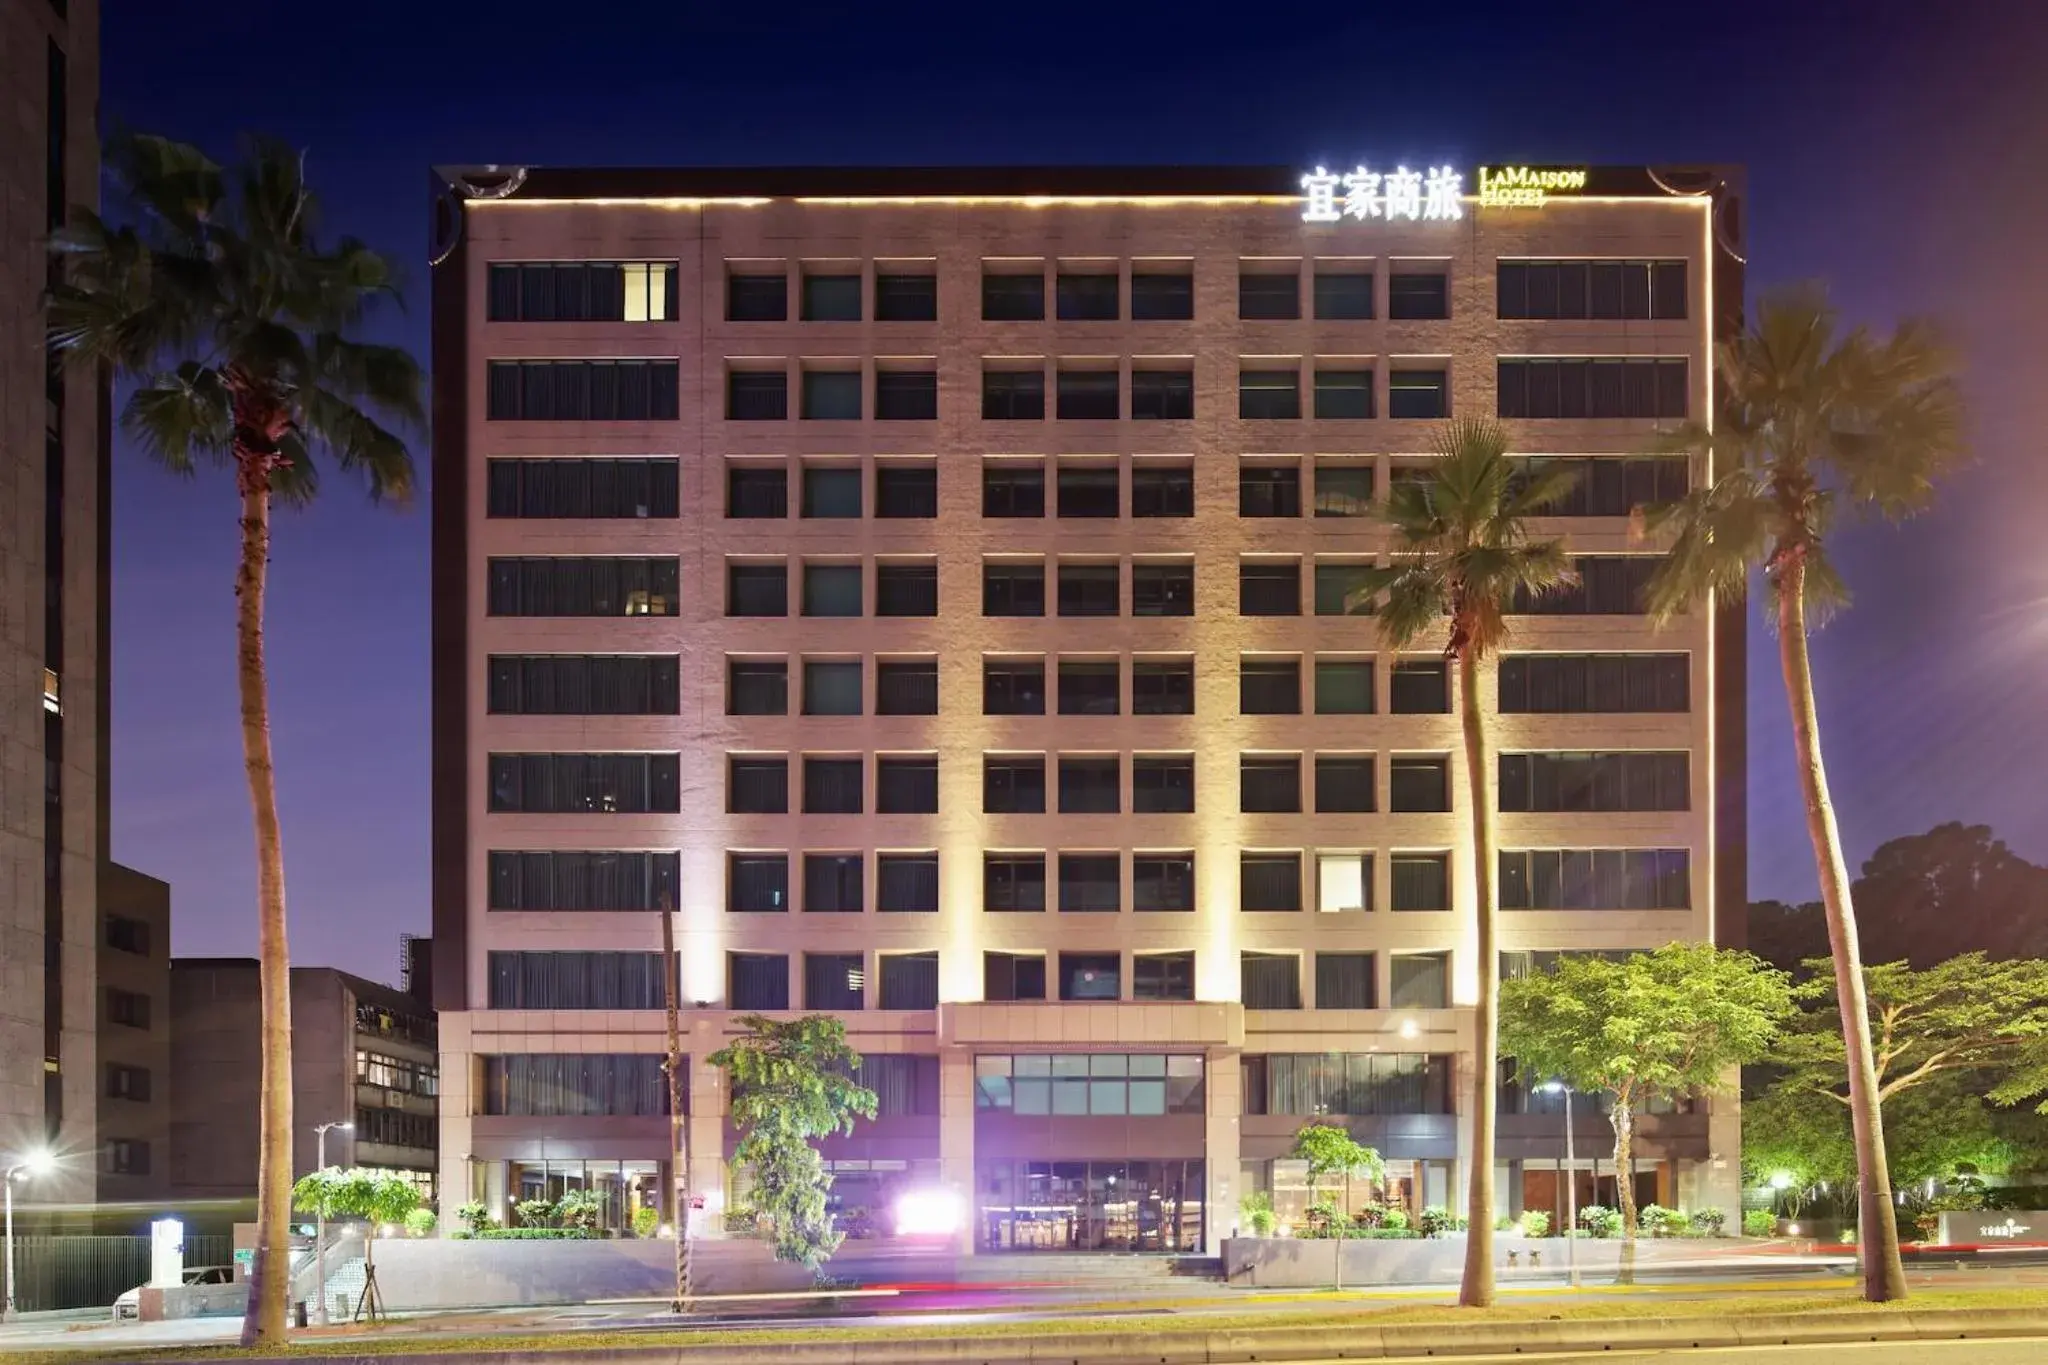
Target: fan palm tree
(238, 329)
(1811, 418)
(1461, 558)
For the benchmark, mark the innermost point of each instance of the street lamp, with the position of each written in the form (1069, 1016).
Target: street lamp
(320, 1212)
(30, 1166)
(1571, 1187)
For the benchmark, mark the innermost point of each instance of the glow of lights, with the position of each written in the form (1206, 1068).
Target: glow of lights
(1435, 196)
(1525, 187)
(1781, 1180)
(39, 1162)
(1409, 1028)
(928, 1213)
(665, 1230)
(1791, 1229)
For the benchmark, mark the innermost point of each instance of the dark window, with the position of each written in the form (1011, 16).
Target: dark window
(1344, 687)
(1012, 687)
(1419, 393)
(1162, 589)
(1343, 393)
(1162, 296)
(1162, 395)
(1637, 781)
(756, 688)
(1422, 881)
(906, 395)
(1419, 981)
(907, 883)
(755, 491)
(831, 491)
(1269, 687)
(1012, 589)
(1614, 486)
(831, 298)
(1596, 879)
(1344, 589)
(565, 586)
(756, 298)
(832, 590)
(130, 1156)
(1012, 298)
(128, 935)
(1608, 585)
(757, 981)
(1418, 295)
(1013, 395)
(1163, 976)
(1089, 490)
(831, 395)
(1090, 976)
(1013, 784)
(910, 981)
(576, 1085)
(1419, 784)
(833, 883)
(583, 490)
(1088, 395)
(1421, 687)
(582, 291)
(1269, 394)
(1267, 588)
(575, 784)
(1270, 981)
(130, 1009)
(1268, 785)
(1572, 684)
(1344, 295)
(1163, 688)
(1090, 589)
(1013, 881)
(1603, 387)
(1090, 883)
(1344, 784)
(1090, 687)
(1012, 488)
(1013, 976)
(906, 298)
(756, 396)
(570, 881)
(1269, 881)
(832, 786)
(127, 1082)
(907, 687)
(757, 786)
(1344, 981)
(907, 490)
(1591, 289)
(1162, 490)
(1086, 298)
(1163, 784)
(1268, 297)
(906, 590)
(574, 981)
(1269, 490)
(1090, 786)
(581, 391)
(1163, 882)
(906, 786)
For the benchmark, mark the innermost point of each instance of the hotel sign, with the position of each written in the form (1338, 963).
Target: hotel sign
(1527, 187)
(1435, 194)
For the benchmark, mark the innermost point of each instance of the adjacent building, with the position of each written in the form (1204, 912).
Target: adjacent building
(134, 1044)
(937, 589)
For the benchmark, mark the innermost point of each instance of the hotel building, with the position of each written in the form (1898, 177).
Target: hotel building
(935, 588)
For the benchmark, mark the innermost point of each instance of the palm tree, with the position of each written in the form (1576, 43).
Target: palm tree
(1809, 418)
(237, 328)
(1461, 558)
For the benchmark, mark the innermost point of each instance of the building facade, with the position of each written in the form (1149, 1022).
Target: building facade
(53, 610)
(134, 1045)
(936, 588)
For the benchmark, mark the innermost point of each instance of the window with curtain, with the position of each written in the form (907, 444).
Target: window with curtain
(583, 684)
(1596, 879)
(1162, 687)
(906, 1085)
(1269, 881)
(757, 786)
(910, 981)
(1419, 981)
(1162, 395)
(906, 687)
(1163, 976)
(757, 883)
(1575, 684)
(907, 490)
(1270, 981)
(756, 589)
(1608, 585)
(582, 586)
(1647, 780)
(575, 981)
(577, 1085)
(1163, 784)
(581, 391)
(582, 490)
(757, 687)
(574, 784)
(581, 291)
(1602, 289)
(580, 880)
(1268, 687)
(1344, 981)
(834, 883)
(832, 590)
(1354, 1084)
(757, 981)
(1013, 882)
(1422, 881)
(1594, 386)
(834, 786)
(907, 883)
(834, 981)
(907, 784)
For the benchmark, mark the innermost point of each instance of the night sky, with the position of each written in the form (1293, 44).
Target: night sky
(1897, 149)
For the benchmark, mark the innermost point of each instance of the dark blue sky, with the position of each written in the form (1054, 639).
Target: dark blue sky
(1895, 148)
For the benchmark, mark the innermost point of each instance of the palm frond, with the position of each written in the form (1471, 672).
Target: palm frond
(172, 183)
(182, 417)
(1826, 591)
(1415, 603)
(357, 444)
(1723, 531)
(1904, 422)
(385, 377)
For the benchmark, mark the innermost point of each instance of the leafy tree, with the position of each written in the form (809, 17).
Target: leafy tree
(240, 329)
(792, 1083)
(1956, 887)
(378, 1197)
(1810, 419)
(1788, 936)
(1462, 559)
(1668, 1023)
(1330, 1150)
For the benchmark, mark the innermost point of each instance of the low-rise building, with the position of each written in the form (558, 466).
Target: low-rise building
(134, 1044)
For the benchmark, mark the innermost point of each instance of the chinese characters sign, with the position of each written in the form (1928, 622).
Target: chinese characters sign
(1398, 194)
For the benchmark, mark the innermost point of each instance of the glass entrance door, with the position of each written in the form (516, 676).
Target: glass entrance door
(1090, 1205)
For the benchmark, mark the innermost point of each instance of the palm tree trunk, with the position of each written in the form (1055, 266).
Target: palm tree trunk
(269, 1277)
(678, 1141)
(1476, 1289)
(1884, 1277)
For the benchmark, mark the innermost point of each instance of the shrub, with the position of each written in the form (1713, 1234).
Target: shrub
(646, 1220)
(534, 1213)
(420, 1223)
(1256, 1209)
(1659, 1221)
(1758, 1223)
(1504, 1224)
(1372, 1214)
(1436, 1220)
(1394, 1220)
(1709, 1222)
(526, 1234)
(1600, 1221)
(473, 1216)
(741, 1220)
(580, 1209)
(1322, 1219)
(1535, 1223)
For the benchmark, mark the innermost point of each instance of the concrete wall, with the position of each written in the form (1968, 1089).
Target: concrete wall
(439, 1273)
(1290, 1263)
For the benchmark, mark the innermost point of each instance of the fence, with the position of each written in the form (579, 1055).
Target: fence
(91, 1272)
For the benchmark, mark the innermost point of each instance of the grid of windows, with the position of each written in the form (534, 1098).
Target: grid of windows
(581, 291)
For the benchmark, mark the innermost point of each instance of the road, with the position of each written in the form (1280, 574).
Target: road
(2016, 1351)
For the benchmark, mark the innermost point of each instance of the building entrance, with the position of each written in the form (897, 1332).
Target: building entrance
(1090, 1205)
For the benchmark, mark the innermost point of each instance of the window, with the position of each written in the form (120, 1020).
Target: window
(1103, 1084)
(906, 395)
(832, 590)
(1013, 784)
(1344, 981)
(1577, 684)
(1419, 981)
(906, 297)
(1344, 784)
(1163, 589)
(1012, 488)
(831, 298)
(910, 981)
(1163, 882)
(1343, 883)
(1343, 394)
(579, 784)
(1268, 784)
(1268, 687)
(1344, 687)
(1589, 387)
(1089, 490)
(1012, 687)
(832, 687)
(582, 490)
(1013, 976)
(565, 586)
(907, 687)
(1422, 881)
(907, 490)
(907, 883)
(756, 297)
(1596, 879)
(1344, 588)
(1090, 687)
(1421, 687)
(1012, 297)
(757, 883)
(1269, 881)
(1418, 295)
(756, 396)
(1638, 781)
(1091, 785)
(582, 291)
(583, 684)
(1419, 393)
(1162, 490)
(1264, 395)
(127, 1008)
(1613, 486)
(581, 391)
(1086, 297)
(396, 1073)
(576, 1084)
(831, 395)
(1591, 289)
(1163, 687)
(1268, 587)
(1269, 490)
(832, 786)
(127, 1082)
(1162, 295)
(907, 589)
(574, 981)
(1270, 981)
(1088, 396)
(1163, 976)
(127, 1156)
(1162, 395)
(1013, 881)
(1163, 784)
(1011, 589)
(757, 981)
(1012, 395)
(757, 786)
(1344, 295)
(1420, 783)
(907, 786)
(128, 935)
(833, 883)
(1090, 589)
(756, 687)
(582, 881)
(1608, 585)
(1317, 1084)
(1090, 976)
(754, 492)
(395, 1128)
(1090, 883)
(1266, 296)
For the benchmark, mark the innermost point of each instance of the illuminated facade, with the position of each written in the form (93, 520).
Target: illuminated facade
(934, 586)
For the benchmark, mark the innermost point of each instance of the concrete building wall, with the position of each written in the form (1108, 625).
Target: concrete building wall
(134, 1061)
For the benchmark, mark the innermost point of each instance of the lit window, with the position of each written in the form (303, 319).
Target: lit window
(646, 291)
(50, 691)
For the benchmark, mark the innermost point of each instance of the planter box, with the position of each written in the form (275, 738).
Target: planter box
(1287, 1263)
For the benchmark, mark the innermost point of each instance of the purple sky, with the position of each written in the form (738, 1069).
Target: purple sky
(1897, 149)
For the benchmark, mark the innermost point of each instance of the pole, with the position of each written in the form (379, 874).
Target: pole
(8, 1314)
(1571, 1194)
(320, 1224)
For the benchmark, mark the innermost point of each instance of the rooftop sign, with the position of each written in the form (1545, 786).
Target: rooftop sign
(1527, 187)
(1399, 194)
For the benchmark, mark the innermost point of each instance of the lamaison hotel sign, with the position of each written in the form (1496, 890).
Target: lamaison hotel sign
(1434, 194)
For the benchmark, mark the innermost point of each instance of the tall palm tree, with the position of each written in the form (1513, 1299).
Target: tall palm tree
(1810, 418)
(1461, 557)
(238, 329)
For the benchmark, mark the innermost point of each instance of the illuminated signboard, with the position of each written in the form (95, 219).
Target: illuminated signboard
(1526, 187)
(1399, 194)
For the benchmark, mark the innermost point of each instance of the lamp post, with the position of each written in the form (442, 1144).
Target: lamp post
(1571, 1186)
(34, 1164)
(320, 1212)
